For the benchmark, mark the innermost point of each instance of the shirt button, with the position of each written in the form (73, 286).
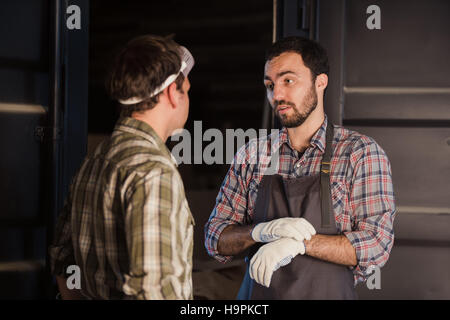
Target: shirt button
(297, 164)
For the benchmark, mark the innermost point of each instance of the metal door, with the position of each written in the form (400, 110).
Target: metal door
(43, 130)
(391, 83)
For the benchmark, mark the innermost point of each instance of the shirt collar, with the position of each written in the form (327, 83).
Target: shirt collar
(145, 131)
(318, 140)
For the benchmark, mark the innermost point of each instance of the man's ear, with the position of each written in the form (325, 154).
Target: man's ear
(173, 94)
(321, 81)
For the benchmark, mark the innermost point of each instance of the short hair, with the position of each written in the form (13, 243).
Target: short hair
(313, 54)
(140, 68)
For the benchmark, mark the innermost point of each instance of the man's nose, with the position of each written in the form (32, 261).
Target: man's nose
(278, 93)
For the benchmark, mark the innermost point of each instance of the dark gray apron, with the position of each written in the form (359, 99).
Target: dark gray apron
(305, 277)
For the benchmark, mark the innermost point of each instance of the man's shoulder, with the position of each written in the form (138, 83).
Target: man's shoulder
(130, 149)
(258, 148)
(129, 153)
(355, 144)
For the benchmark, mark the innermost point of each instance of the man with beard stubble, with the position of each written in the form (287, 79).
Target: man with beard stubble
(320, 224)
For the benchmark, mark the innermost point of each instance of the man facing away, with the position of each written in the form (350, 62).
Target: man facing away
(325, 218)
(126, 223)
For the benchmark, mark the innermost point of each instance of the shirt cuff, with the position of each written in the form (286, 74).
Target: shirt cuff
(213, 241)
(356, 238)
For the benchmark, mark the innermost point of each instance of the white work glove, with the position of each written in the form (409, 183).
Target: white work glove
(296, 228)
(270, 257)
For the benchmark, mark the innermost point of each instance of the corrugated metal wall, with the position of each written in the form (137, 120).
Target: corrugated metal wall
(392, 84)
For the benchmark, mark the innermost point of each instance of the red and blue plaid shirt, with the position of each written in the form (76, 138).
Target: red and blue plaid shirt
(361, 190)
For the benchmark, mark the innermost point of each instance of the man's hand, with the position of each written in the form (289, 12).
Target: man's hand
(296, 228)
(270, 257)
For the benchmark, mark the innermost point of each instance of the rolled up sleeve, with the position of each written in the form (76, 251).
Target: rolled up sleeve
(373, 209)
(231, 206)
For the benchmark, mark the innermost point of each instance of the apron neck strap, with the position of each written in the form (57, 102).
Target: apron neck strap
(325, 190)
(326, 158)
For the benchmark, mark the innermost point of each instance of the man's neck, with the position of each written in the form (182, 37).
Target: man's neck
(300, 137)
(156, 121)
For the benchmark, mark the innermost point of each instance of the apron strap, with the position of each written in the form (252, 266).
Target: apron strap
(325, 189)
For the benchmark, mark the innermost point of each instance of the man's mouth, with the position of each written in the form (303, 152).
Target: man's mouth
(283, 108)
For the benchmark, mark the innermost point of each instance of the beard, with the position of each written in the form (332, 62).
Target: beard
(294, 120)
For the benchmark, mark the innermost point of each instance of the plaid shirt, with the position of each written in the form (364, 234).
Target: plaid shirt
(361, 190)
(126, 222)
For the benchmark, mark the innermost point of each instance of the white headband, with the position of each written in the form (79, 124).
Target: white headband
(186, 65)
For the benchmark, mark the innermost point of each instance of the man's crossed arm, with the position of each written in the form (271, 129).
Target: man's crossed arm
(235, 239)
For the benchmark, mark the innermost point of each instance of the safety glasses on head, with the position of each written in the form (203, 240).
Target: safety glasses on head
(187, 62)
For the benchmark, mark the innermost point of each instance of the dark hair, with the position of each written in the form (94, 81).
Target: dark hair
(313, 54)
(140, 68)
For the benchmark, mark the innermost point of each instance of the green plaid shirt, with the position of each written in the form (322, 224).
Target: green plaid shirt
(126, 222)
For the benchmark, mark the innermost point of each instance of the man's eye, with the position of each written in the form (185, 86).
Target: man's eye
(269, 86)
(288, 80)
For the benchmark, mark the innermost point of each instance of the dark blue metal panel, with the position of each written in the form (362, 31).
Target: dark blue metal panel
(43, 132)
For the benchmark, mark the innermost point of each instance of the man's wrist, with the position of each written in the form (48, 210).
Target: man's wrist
(309, 244)
(255, 237)
(251, 231)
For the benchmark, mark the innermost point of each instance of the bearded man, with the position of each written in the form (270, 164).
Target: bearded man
(324, 220)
